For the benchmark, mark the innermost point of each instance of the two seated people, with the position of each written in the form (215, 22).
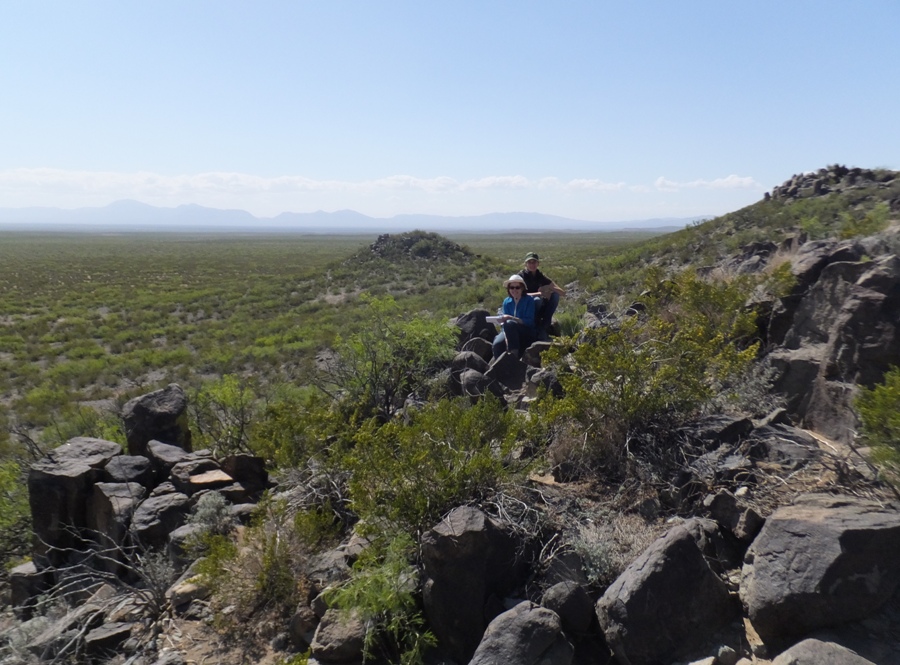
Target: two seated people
(527, 311)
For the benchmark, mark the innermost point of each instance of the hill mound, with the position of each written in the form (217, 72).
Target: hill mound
(413, 246)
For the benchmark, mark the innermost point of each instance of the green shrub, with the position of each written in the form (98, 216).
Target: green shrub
(872, 222)
(381, 593)
(15, 513)
(223, 412)
(406, 475)
(879, 411)
(391, 357)
(655, 369)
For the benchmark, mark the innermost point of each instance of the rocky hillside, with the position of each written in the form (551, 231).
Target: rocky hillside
(756, 533)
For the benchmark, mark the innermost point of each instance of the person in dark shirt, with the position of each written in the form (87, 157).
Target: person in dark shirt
(545, 292)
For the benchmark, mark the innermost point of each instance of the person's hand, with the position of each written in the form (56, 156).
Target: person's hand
(546, 291)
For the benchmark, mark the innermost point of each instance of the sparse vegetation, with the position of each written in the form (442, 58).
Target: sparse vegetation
(321, 355)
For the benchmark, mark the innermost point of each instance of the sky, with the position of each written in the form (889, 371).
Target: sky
(594, 110)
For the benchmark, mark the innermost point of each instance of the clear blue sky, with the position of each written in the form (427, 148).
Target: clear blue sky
(592, 110)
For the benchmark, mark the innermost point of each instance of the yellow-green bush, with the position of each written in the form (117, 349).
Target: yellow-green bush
(406, 475)
(879, 411)
(649, 370)
(382, 593)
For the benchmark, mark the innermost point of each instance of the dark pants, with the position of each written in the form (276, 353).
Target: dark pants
(544, 309)
(515, 336)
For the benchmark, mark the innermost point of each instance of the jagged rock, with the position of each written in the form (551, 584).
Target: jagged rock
(642, 630)
(788, 446)
(233, 493)
(26, 584)
(742, 522)
(339, 639)
(57, 640)
(179, 540)
(58, 487)
(474, 384)
(528, 634)
(194, 475)
(248, 470)
(840, 334)
(106, 640)
(480, 346)
(508, 371)
(329, 567)
(160, 415)
(156, 517)
(573, 605)
(466, 559)
(164, 456)
(243, 512)
(468, 360)
(184, 592)
(823, 561)
(110, 508)
(474, 324)
(532, 355)
(302, 627)
(721, 552)
(720, 429)
(543, 378)
(817, 652)
(723, 465)
(129, 469)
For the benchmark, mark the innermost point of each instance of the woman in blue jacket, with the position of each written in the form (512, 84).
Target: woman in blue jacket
(516, 320)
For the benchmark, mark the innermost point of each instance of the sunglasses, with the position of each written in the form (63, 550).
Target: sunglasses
(513, 288)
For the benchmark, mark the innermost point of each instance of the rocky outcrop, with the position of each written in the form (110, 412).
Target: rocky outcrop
(836, 178)
(841, 333)
(59, 486)
(161, 415)
(93, 507)
(822, 561)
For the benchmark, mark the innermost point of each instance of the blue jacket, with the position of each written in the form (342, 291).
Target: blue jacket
(524, 309)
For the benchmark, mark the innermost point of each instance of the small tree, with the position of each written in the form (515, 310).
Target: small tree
(390, 358)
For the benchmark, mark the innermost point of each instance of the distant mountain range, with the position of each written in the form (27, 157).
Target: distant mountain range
(135, 216)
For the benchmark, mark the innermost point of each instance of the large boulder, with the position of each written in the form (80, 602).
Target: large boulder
(823, 561)
(339, 638)
(474, 324)
(58, 488)
(840, 333)
(469, 563)
(161, 415)
(525, 635)
(665, 603)
(508, 371)
(817, 652)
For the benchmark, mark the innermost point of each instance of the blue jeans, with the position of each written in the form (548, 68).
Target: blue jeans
(515, 336)
(544, 309)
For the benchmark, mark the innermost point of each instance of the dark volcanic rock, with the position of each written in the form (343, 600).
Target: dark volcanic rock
(823, 561)
(160, 415)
